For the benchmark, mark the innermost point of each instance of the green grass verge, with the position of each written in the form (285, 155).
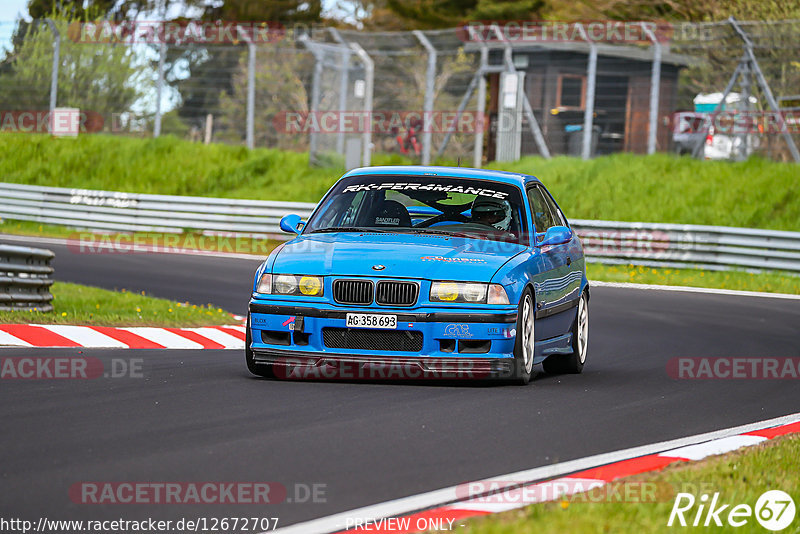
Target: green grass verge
(740, 478)
(736, 280)
(661, 188)
(85, 305)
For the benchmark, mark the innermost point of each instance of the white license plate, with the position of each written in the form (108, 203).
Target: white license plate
(371, 320)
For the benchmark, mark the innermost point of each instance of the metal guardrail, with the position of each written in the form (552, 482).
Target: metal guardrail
(612, 242)
(25, 278)
(129, 212)
(687, 245)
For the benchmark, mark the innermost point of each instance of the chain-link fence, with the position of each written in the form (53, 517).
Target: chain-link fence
(478, 93)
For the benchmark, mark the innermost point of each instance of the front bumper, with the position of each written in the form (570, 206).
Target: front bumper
(427, 340)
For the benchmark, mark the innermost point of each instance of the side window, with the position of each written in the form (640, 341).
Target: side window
(558, 217)
(542, 217)
(341, 211)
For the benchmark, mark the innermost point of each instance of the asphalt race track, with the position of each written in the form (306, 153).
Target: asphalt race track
(199, 415)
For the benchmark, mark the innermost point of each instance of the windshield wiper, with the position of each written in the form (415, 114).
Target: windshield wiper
(447, 233)
(348, 229)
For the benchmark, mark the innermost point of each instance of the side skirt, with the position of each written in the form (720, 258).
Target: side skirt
(554, 345)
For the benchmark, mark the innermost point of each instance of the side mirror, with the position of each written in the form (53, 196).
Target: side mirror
(292, 223)
(556, 235)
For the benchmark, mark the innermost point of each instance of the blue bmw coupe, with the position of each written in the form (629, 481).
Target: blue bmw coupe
(416, 272)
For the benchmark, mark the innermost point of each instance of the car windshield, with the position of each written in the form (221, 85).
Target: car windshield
(422, 204)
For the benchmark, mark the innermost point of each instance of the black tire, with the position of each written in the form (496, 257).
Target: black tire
(573, 363)
(259, 369)
(524, 344)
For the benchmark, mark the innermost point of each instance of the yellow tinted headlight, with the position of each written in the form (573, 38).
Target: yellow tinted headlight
(444, 291)
(311, 286)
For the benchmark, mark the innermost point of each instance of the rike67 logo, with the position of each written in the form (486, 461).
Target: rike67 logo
(774, 510)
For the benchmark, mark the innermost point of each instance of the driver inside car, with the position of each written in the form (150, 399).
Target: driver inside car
(488, 211)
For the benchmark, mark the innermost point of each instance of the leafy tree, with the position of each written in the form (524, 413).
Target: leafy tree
(105, 81)
(80, 10)
(279, 89)
(450, 13)
(217, 64)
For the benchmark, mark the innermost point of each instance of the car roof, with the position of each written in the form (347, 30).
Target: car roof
(456, 172)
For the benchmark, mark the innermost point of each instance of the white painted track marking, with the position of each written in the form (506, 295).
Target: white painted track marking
(7, 339)
(85, 337)
(688, 289)
(223, 338)
(164, 337)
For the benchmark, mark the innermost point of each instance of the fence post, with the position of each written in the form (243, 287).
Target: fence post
(162, 51)
(251, 86)
(591, 80)
(536, 131)
(477, 151)
(430, 78)
(314, 134)
(344, 84)
(655, 87)
(56, 62)
(369, 75)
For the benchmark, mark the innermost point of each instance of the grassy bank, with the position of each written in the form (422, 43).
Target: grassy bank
(663, 188)
(740, 478)
(84, 305)
(660, 188)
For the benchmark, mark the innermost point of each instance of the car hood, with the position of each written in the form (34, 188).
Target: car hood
(433, 257)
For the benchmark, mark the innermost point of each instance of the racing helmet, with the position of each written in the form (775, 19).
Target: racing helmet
(489, 208)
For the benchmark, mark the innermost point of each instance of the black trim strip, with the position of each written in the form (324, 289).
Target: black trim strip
(436, 317)
(547, 312)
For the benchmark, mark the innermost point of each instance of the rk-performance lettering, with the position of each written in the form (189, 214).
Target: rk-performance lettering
(445, 188)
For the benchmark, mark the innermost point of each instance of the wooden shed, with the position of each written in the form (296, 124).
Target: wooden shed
(556, 83)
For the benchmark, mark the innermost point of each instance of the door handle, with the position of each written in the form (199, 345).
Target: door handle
(569, 261)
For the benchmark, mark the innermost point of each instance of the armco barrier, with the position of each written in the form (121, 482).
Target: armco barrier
(25, 278)
(687, 245)
(656, 244)
(111, 210)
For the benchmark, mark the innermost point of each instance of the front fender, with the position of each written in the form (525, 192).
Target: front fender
(515, 274)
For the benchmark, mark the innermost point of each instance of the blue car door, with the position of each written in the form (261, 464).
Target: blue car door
(556, 277)
(574, 256)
